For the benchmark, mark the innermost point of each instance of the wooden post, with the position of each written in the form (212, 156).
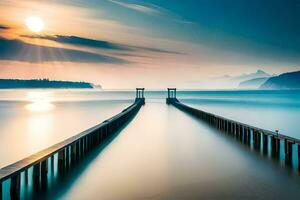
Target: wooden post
(1, 193)
(61, 161)
(258, 140)
(275, 146)
(89, 142)
(288, 151)
(235, 129)
(52, 164)
(44, 171)
(36, 176)
(73, 154)
(245, 135)
(67, 157)
(239, 132)
(265, 143)
(80, 141)
(249, 136)
(77, 151)
(228, 127)
(44, 167)
(26, 176)
(86, 144)
(298, 156)
(255, 139)
(15, 186)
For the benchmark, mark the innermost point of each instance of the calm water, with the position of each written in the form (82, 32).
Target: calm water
(163, 153)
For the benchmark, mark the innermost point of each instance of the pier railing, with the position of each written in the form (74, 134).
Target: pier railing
(268, 142)
(63, 155)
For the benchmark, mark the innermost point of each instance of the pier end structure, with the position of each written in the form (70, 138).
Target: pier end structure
(172, 92)
(140, 95)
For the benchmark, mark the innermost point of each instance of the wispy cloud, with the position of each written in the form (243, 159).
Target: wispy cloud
(153, 10)
(138, 7)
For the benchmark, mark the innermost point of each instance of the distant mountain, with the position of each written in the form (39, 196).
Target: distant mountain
(229, 81)
(289, 80)
(258, 74)
(253, 83)
(41, 83)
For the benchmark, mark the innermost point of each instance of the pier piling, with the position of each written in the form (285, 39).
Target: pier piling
(298, 146)
(1, 193)
(248, 136)
(15, 186)
(265, 143)
(275, 146)
(44, 167)
(61, 161)
(288, 151)
(36, 176)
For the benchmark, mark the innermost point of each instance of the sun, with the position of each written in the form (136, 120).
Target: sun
(35, 24)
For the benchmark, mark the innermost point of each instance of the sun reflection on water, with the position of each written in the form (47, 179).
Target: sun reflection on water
(39, 131)
(40, 101)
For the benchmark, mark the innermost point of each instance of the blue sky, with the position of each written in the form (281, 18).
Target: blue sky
(163, 42)
(226, 24)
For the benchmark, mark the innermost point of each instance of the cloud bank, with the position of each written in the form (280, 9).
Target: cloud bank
(17, 50)
(101, 44)
(4, 27)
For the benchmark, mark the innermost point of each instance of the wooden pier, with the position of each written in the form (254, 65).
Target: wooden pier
(266, 141)
(65, 154)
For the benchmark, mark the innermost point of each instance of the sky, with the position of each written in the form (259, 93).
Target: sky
(148, 43)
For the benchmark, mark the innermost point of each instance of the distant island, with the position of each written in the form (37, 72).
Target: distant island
(290, 80)
(42, 83)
